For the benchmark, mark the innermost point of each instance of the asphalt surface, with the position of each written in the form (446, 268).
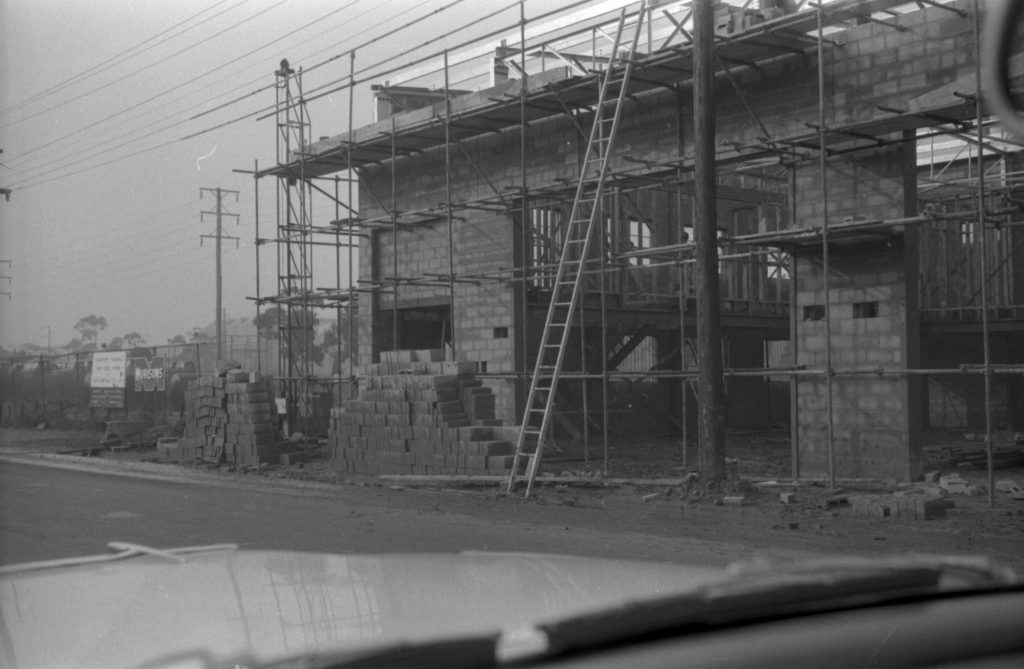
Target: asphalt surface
(49, 512)
(57, 504)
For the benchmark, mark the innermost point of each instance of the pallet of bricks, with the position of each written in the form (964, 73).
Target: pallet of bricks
(419, 414)
(230, 418)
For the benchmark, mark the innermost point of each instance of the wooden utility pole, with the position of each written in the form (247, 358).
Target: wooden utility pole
(709, 321)
(6, 292)
(218, 236)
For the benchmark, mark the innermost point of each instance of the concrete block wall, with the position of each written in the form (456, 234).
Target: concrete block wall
(860, 186)
(873, 416)
(875, 66)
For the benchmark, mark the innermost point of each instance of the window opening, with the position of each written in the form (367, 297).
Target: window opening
(640, 237)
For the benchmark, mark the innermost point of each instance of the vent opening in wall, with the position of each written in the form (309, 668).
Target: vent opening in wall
(501, 333)
(814, 312)
(865, 309)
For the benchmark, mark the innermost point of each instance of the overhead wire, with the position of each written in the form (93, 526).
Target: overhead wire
(101, 142)
(148, 66)
(32, 180)
(270, 108)
(369, 73)
(142, 262)
(82, 250)
(107, 64)
(29, 182)
(271, 85)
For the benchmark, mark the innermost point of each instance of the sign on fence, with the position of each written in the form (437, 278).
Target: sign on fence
(109, 398)
(106, 383)
(108, 369)
(149, 374)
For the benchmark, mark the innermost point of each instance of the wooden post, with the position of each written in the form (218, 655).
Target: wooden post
(709, 327)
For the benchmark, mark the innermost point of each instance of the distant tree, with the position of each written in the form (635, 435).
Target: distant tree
(336, 343)
(29, 349)
(268, 321)
(200, 337)
(89, 328)
(133, 340)
(177, 339)
(302, 320)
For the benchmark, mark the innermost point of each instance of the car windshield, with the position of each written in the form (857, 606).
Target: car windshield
(541, 329)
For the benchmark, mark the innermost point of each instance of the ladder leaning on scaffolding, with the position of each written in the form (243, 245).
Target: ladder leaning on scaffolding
(575, 246)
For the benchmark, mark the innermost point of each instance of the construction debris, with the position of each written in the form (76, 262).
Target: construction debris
(1005, 454)
(955, 484)
(1010, 488)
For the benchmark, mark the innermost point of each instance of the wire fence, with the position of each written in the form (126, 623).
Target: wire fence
(57, 389)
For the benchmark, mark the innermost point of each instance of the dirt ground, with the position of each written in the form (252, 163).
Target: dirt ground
(649, 489)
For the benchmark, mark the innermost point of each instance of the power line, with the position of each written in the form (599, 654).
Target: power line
(107, 64)
(271, 85)
(167, 127)
(370, 73)
(404, 26)
(103, 243)
(33, 180)
(310, 97)
(150, 65)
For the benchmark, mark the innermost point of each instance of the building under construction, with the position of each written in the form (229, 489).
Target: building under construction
(528, 208)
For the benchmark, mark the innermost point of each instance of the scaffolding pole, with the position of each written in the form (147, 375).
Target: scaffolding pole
(256, 250)
(448, 209)
(823, 166)
(394, 233)
(525, 222)
(294, 218)
(352, 343)
(983, 247)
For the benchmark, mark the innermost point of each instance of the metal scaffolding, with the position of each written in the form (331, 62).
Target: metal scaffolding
(659, 269)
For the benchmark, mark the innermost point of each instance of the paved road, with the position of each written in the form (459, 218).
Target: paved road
(48, 512)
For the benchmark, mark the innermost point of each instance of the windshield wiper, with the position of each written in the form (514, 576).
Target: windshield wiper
(750, 596)
(460, 653)
(124, 550)
(758, 595)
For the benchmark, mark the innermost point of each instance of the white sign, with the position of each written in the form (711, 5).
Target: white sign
(108, 369)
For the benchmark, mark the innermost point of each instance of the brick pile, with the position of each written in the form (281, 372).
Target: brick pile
(229, 419)
(417, 414)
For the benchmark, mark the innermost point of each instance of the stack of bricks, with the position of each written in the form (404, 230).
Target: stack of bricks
(205, 418)
(418, 414)
(229, 419)
(251, 430)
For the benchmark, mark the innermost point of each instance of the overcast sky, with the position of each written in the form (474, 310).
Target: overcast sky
(95, 98)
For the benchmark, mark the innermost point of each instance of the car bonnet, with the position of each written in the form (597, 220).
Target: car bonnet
(264, 605)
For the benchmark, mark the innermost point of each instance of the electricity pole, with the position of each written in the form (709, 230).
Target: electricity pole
(6, 192)
(2, 276)
(218, 236)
